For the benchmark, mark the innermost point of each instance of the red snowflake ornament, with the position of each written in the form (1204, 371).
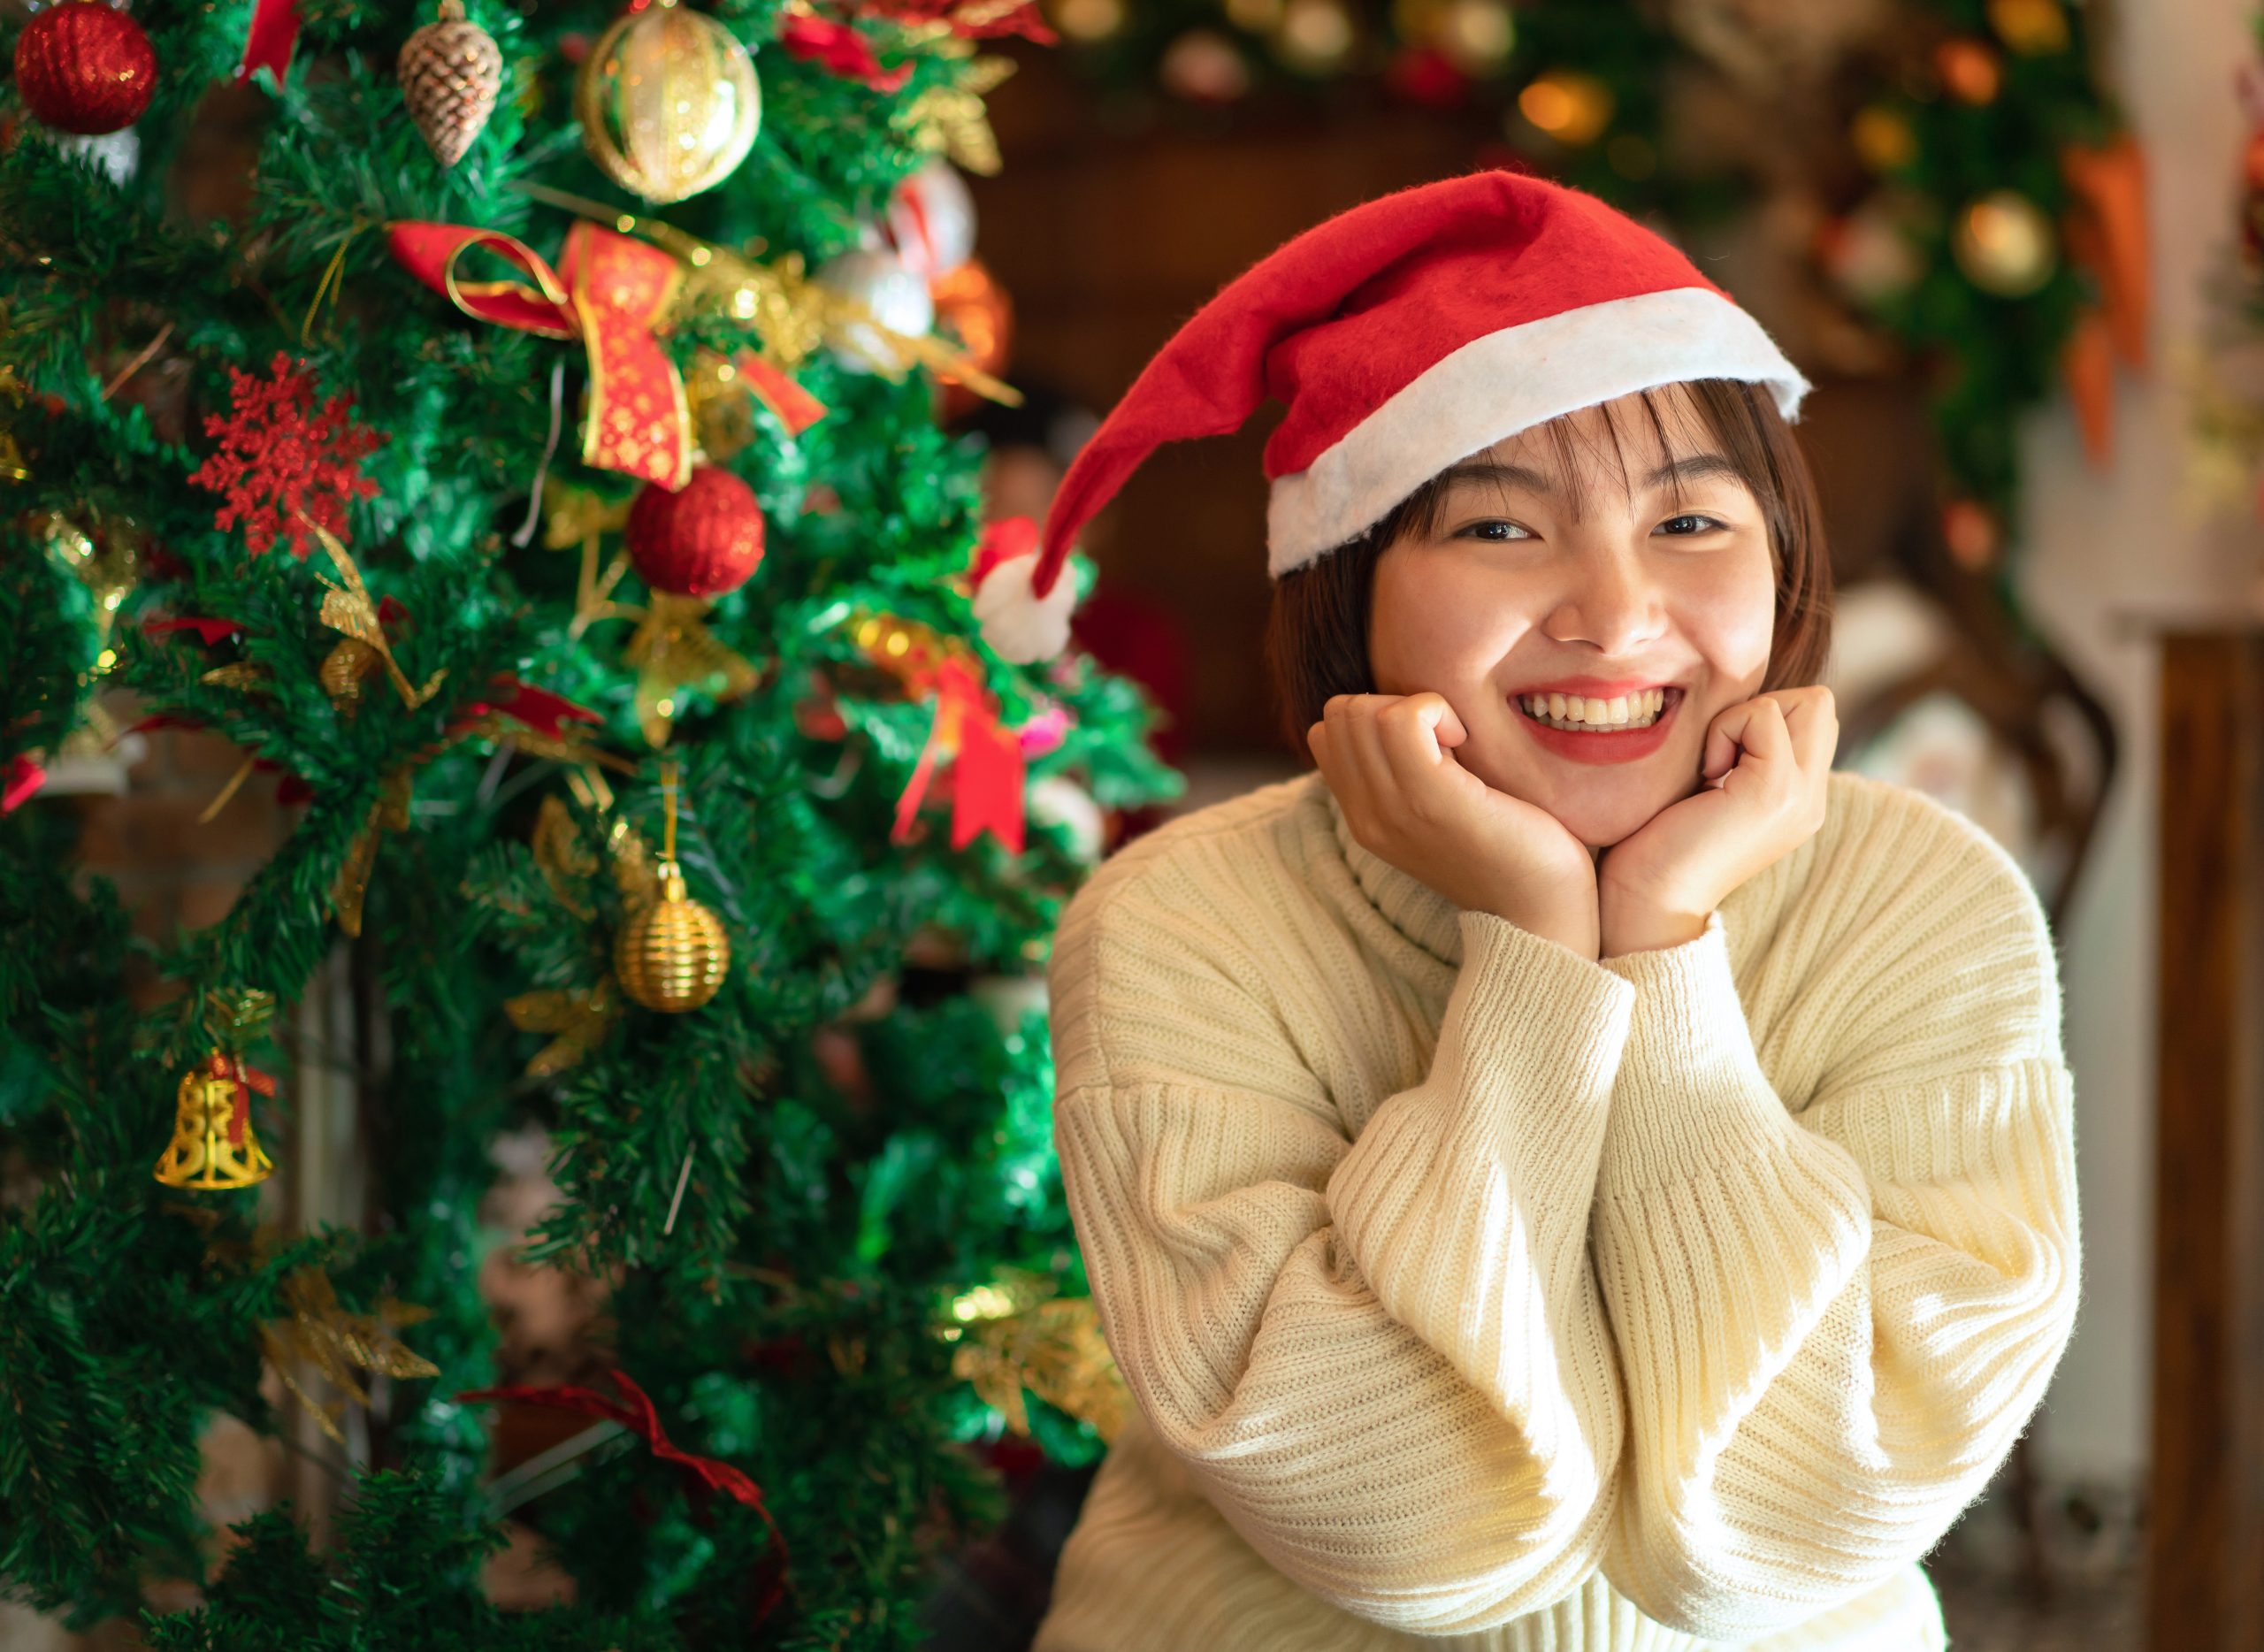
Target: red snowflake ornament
(279, 455)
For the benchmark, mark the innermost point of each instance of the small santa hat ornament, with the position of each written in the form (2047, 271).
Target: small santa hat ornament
(1403, 334)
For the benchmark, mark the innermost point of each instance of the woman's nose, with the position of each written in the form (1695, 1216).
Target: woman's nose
(1608, 604)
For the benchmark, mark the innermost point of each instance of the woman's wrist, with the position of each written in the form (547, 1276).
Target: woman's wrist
(1630, 921)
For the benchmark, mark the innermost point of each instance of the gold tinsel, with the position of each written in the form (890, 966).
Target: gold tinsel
(388, 812)
(951, 120)
(674, 652)
(337, 1344)
(1014, 1334)
(577, 1021)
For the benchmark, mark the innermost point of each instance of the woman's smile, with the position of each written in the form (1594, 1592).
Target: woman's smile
(1599, 728)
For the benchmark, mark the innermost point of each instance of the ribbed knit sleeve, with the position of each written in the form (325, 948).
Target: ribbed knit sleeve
(1835, 1324)
(1384, 1360)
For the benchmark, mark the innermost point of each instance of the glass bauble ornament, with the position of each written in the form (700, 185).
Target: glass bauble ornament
(668, 102)
(893, 295)
(85, 67)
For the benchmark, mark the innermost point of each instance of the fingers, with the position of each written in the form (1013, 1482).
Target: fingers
(1813, 718)
(1386, 745)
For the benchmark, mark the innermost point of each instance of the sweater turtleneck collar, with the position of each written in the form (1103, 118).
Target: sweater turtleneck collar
(1409, 904)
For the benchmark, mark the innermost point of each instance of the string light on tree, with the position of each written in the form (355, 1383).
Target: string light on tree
(1883, 139)
(2005, 244)
(1314, 35)
(2032, 28)
(1969, 71)
(1572, 107)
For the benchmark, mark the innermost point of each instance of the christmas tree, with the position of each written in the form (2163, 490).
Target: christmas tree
(551, 498)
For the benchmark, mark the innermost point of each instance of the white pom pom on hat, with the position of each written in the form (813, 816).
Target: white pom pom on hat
(1403, 334)
(1019, 625)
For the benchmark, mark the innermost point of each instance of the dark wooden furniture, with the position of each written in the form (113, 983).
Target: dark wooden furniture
(2205, 1555)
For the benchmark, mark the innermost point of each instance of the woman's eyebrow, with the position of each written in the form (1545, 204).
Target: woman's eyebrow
(1690, 468)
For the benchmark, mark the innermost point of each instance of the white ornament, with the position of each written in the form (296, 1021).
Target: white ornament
(1018, 623)
(1058, 801)
(931, 219)
(117, 153)
(892, 294)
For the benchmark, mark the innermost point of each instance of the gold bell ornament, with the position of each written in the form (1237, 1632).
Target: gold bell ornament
(668, 102)
(213, 1147)
(671, 953)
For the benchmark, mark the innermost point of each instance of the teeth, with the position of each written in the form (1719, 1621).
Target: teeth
(1577, 711)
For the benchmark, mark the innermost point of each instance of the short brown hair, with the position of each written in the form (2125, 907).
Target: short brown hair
(1317, 632)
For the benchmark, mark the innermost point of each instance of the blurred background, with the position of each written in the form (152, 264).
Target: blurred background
(2016, 245)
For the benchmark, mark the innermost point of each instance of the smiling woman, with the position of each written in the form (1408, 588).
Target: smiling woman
(1573, 1173)
(1735, 461)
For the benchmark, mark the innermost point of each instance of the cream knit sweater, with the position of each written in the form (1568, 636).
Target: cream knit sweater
(1471, 1288)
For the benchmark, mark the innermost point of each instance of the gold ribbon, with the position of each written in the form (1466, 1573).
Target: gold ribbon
(337, 1343)
(1014, 1334)
(791, 314)
(674, 652)
(388, 812)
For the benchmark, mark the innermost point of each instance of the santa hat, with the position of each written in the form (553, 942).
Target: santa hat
(1403, 334)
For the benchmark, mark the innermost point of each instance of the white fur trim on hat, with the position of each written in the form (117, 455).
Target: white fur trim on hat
(1508, 381)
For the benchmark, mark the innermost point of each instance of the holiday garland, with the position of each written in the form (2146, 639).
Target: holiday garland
(618, 817)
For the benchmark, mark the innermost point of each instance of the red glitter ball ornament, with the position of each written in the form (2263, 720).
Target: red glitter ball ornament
(86, 67)
(701, 541)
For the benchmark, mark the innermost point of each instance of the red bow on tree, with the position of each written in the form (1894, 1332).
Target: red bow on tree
(637, 1415)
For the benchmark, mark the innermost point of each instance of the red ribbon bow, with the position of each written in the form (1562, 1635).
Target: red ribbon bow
(246, 1080)
(610, 291)
(636, 1414)
(987, 783)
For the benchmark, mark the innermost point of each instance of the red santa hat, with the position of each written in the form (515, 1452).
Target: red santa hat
(1403, 334)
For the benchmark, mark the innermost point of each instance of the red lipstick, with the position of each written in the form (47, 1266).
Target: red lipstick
(1599, 745)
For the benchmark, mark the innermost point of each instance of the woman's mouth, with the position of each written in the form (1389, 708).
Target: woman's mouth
(1618, 730)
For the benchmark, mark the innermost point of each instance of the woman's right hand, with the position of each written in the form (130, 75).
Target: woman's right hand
(1389, 758)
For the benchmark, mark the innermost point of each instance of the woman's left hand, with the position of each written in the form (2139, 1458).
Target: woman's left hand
(1766, 763)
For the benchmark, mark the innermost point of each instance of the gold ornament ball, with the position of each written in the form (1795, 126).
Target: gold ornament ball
(668, 102)
(671, 955)
(2005, 244)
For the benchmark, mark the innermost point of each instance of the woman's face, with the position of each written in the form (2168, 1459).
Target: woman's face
(1538, 583)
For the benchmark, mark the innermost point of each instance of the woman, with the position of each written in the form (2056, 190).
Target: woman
(1572, 1172)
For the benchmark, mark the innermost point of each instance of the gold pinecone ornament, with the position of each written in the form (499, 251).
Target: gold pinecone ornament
(671, 953)
(451, 73)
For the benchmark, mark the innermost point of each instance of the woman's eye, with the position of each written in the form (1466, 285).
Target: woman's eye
(1487, 529)
(1683, 527)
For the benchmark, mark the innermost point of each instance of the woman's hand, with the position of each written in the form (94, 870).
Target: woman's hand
(1389, 760)
(1766, 763)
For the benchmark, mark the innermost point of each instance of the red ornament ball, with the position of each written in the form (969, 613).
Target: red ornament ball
(704, 539)
(86, 67)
